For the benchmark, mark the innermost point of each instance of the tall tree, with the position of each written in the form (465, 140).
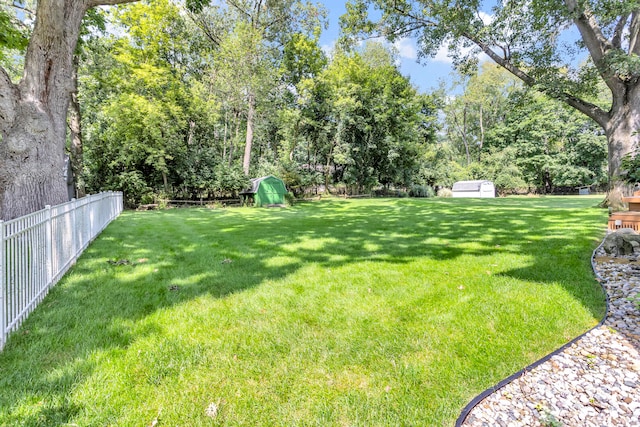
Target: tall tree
(93, 24)
(147, 114)
(377, 118)
(556, 146)
(33, 112)
(481, 105)
(531, 47)
(258, 31)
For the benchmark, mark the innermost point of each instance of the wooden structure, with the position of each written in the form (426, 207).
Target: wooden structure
(482, 189)
(266, 191)
(627, 219)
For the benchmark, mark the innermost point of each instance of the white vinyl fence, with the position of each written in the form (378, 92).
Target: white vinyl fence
(37, 249)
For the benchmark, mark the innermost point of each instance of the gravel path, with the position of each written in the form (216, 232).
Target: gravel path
(593, 382)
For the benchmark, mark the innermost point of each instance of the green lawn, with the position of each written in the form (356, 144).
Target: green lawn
(382, 312)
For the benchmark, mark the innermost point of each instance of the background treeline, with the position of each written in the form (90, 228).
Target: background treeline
(187, 104)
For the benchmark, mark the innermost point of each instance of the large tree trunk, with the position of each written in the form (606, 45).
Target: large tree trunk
(33, 113)
(33, 128)
(246, 161)
(622, 138)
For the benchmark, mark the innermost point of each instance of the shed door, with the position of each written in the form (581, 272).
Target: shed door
(272, 192)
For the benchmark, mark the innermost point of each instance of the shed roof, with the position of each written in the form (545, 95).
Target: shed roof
(470, 185)
(255, 184)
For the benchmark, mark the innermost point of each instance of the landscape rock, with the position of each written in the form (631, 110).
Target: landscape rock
(624, 241)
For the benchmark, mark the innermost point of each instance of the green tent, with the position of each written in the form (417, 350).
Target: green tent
(267, 190)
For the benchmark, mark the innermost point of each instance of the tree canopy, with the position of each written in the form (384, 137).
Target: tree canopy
(189, 101)
(533, 48)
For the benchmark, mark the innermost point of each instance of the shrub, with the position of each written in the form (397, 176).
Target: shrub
(161, 198)
(445, 192)
(229, 180)
(421, 191)
(289, 198)
(134, 188)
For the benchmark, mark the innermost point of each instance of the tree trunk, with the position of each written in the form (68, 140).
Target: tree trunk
(34, 127)
(464, 135)
(75, 131)
(236, 138)
(622, 140)
(33, 113)
(246, 161)
(481, 142)
(224, 139)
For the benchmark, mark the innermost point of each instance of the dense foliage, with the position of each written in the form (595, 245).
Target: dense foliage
(177, 103)
(524, 141)
(191, 103)
(567, 49)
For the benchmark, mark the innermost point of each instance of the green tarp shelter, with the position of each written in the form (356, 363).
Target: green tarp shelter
(267, 190)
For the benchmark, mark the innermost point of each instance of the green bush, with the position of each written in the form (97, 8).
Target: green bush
(289, 198)
(421, 191)
(228, 180)
(162, 198)
(445, 192)
(134, 188)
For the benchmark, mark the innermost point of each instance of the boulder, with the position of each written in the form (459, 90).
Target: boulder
(624, 241)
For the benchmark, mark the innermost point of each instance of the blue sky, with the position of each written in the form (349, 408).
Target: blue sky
(425, 75)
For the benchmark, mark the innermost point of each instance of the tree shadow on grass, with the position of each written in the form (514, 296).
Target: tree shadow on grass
(180, 255)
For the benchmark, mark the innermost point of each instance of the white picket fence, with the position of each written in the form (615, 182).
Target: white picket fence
(37, 249)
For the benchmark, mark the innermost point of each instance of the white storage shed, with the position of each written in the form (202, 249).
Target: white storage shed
(474, 189)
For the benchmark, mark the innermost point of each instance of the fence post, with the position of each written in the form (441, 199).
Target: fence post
(74, 233)
(3, 299)
(49, 240)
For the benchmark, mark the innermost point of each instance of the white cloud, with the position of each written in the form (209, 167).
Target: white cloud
(443, 55)
(486, 18)
(406, 49)
(328, 49)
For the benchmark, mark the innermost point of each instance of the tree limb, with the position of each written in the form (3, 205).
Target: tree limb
(418, 19)
(502, 61)
(23, 8)
(94, 3)
(590, 32)
(591, 110)
(616, 40)
(206, 29)
(634, 31)
(275, 21)
(592, 36)
(257, 12)
(598, 45)
(240, 10)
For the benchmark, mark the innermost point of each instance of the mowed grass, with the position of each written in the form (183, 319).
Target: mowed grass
(336, 313)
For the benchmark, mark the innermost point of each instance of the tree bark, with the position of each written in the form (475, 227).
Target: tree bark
(622, 140)
(246, 161)
(481, 142)
(235, 138)
(75, 132)
(33, 112)
(32, 150)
